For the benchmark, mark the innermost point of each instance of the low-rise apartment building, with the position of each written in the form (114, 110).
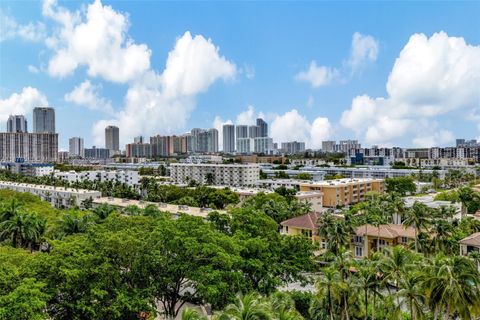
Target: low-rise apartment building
(235, 175)
(28, 169)
(128, 177)
(58, 197)
(342, 192)
(369, 238)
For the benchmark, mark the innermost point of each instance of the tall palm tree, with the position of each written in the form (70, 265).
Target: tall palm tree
(327, 284)
(249, 307)
(394, 264)
(453, 287)
(368, 280)
(411, 294)
(417, 217)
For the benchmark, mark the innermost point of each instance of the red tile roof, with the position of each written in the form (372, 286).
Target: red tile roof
(389, 231)
(307, 221)
(472, 240)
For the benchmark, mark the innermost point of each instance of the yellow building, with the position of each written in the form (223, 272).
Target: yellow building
(341, 192)
(302, 225)
(369, 238)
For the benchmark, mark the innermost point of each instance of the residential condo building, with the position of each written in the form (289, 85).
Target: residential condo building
(44, 120)
(235, 175)
(28, 147)
(17, 123)
(76, 148)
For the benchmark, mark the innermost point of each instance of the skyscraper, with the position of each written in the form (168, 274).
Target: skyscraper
(262, 128)
(253, 131)
(17, 123)
(76, 148)
(112, 138)
(241, 131)
(228, 138)
(44, 120)
(212, 140)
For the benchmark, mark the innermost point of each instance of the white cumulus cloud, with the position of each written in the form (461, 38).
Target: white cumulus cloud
(95, 38)
(432, 76)
(162, 103)
(88, 95)
(22, 103)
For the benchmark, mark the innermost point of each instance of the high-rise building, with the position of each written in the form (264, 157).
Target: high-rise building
(263, 145)
(241, 131)
(212, 145)
(328, 146)
(293, 147)
(97, 153)
(44, 120)
(180, 144)
(112, 138)
(204, 141)
(138, 139)
(228, 138)
(76, 148)
(162, 146)
(17, 123)
(253, 131)
(262, 128)
(28, 147)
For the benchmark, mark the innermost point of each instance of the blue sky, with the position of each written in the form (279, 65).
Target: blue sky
(295, 63)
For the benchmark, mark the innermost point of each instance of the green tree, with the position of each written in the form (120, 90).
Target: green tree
(26, 302)
(249, 307)
(74, 223)
(417, 217)
(400, 185)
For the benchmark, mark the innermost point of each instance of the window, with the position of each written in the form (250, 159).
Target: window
(358, 239)
(358, 251)
(404, 239)
(381, 242)
(323, 244)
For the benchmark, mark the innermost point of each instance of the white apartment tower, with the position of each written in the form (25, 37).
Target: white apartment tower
(44, 120)
(76, 148)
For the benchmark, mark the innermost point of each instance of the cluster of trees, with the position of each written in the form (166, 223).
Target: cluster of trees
(401, 185)
(201, 196)
(467, 196)
(150, 190)
(103, 265)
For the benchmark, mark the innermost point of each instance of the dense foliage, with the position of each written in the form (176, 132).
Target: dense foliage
(100, 264)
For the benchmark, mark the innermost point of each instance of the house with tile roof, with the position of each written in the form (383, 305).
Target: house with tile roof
(470, 244)
(302, 225)
(369, 238)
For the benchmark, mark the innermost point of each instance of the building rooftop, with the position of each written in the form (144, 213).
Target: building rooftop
(389, 231)
(48, 188)
(307, 221)
(472, 240)
(344, 181)
(172, 208)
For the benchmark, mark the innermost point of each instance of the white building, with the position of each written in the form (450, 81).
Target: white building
(59, 197)
(222, 174)
(29, 147)
(76, 148)
(128, 177)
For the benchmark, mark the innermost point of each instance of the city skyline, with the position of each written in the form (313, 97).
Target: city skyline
(363, 82)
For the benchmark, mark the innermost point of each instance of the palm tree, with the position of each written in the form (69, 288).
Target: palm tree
(10, 209)
(249, 307)
(23, 229)
(453, 287)
(103, 211)
(394, 264)
(192, 314)
(411, 293)
(417, 217)
(283, 307)
(327, 284)
(71, 223)
(368, 280)
(442, 231)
